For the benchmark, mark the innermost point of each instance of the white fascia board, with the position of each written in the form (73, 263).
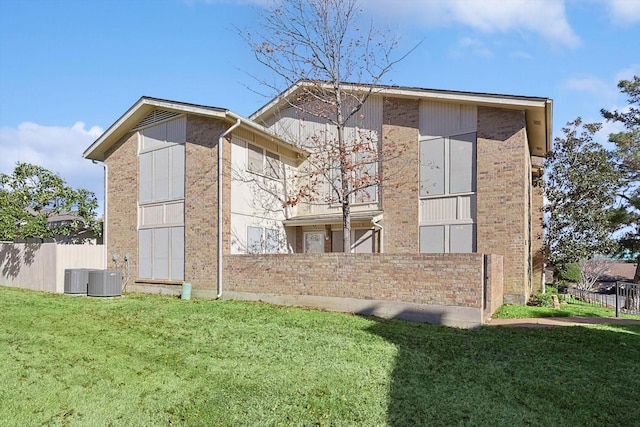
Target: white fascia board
(136, 113)
(487, 99)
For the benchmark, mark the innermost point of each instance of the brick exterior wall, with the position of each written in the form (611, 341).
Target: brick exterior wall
(494, 271)
(400, 175)
(201, 195)
(437, 279)
(503, 194)
(122, 205)
(401, 273)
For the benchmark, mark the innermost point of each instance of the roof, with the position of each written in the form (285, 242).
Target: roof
(620, 271)
(145, 105)
(538, 110)
(373, 216)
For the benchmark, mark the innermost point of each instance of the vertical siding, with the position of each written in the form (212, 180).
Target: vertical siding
(445, 119)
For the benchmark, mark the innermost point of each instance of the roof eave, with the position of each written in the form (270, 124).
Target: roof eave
(145, 105)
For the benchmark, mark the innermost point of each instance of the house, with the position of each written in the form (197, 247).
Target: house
(462, 190)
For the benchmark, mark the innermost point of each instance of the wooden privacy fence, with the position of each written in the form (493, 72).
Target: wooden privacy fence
(40, 266)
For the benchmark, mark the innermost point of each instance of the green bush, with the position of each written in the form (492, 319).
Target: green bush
(541, 299)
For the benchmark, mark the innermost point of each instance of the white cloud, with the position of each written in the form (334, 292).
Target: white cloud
(56, 148)
(544, 17)
(472, 45)
(623, 12)
(592, 85)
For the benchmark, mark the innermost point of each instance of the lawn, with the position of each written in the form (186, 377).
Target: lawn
(154, 361)
(570, 308)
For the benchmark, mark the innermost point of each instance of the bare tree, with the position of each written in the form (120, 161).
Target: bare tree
(590, 271)
(320, 45)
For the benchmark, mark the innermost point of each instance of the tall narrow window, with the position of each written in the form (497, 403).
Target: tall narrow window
(161, 200)
(447, 194)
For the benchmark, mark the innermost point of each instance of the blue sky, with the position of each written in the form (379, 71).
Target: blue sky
(70, 68)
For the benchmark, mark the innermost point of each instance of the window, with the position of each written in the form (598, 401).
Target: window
(448, 165)
(447, 239)
(262, 240)
(263, 162)
(162, 253)
(447, 194)
(364, 176)
(161, 200)
(162, 174)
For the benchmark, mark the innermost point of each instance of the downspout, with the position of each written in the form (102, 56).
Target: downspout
(104, 208)
(381, 228)
(220, 159)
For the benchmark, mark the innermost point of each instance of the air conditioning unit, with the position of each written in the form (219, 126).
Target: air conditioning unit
(75, 281)
(104, 283)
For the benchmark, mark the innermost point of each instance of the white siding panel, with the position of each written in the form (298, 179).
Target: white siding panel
(176, 130)
(154, 136)
(370, 115)
(445, 119)
(467, 208)
(174, 213)
(151, 215)
(438, 210)
(162, 215)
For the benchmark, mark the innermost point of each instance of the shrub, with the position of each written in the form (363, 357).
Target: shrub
(541, 300)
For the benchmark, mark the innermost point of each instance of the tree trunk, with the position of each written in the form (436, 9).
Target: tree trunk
(636, 277)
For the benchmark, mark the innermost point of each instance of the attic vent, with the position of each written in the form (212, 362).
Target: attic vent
(156, 116)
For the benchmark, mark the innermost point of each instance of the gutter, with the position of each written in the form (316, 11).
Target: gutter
(375, 222)
(104, 208)
(220, 159)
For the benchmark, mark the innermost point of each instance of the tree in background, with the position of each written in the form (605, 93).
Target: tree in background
(580, 188)
(33, 194)
(321, 45)
(626, 158)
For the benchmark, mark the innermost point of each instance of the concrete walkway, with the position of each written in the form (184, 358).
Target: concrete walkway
(546, 322)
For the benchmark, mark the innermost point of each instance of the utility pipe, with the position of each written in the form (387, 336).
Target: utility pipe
(220, 159)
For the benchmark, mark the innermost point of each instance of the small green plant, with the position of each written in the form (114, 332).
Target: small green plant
(541, 299)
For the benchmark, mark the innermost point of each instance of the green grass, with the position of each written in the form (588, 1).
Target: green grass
(570, 308)
(159, 361)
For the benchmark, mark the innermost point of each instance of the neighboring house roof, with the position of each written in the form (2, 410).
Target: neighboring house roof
(621, 271)
(538, 111)
(146, 105)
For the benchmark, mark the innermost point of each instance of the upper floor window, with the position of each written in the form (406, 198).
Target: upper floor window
(448, 165)
(263, 162)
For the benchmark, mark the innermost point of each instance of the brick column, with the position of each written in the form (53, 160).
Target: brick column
(503, 196)
(400, 175)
